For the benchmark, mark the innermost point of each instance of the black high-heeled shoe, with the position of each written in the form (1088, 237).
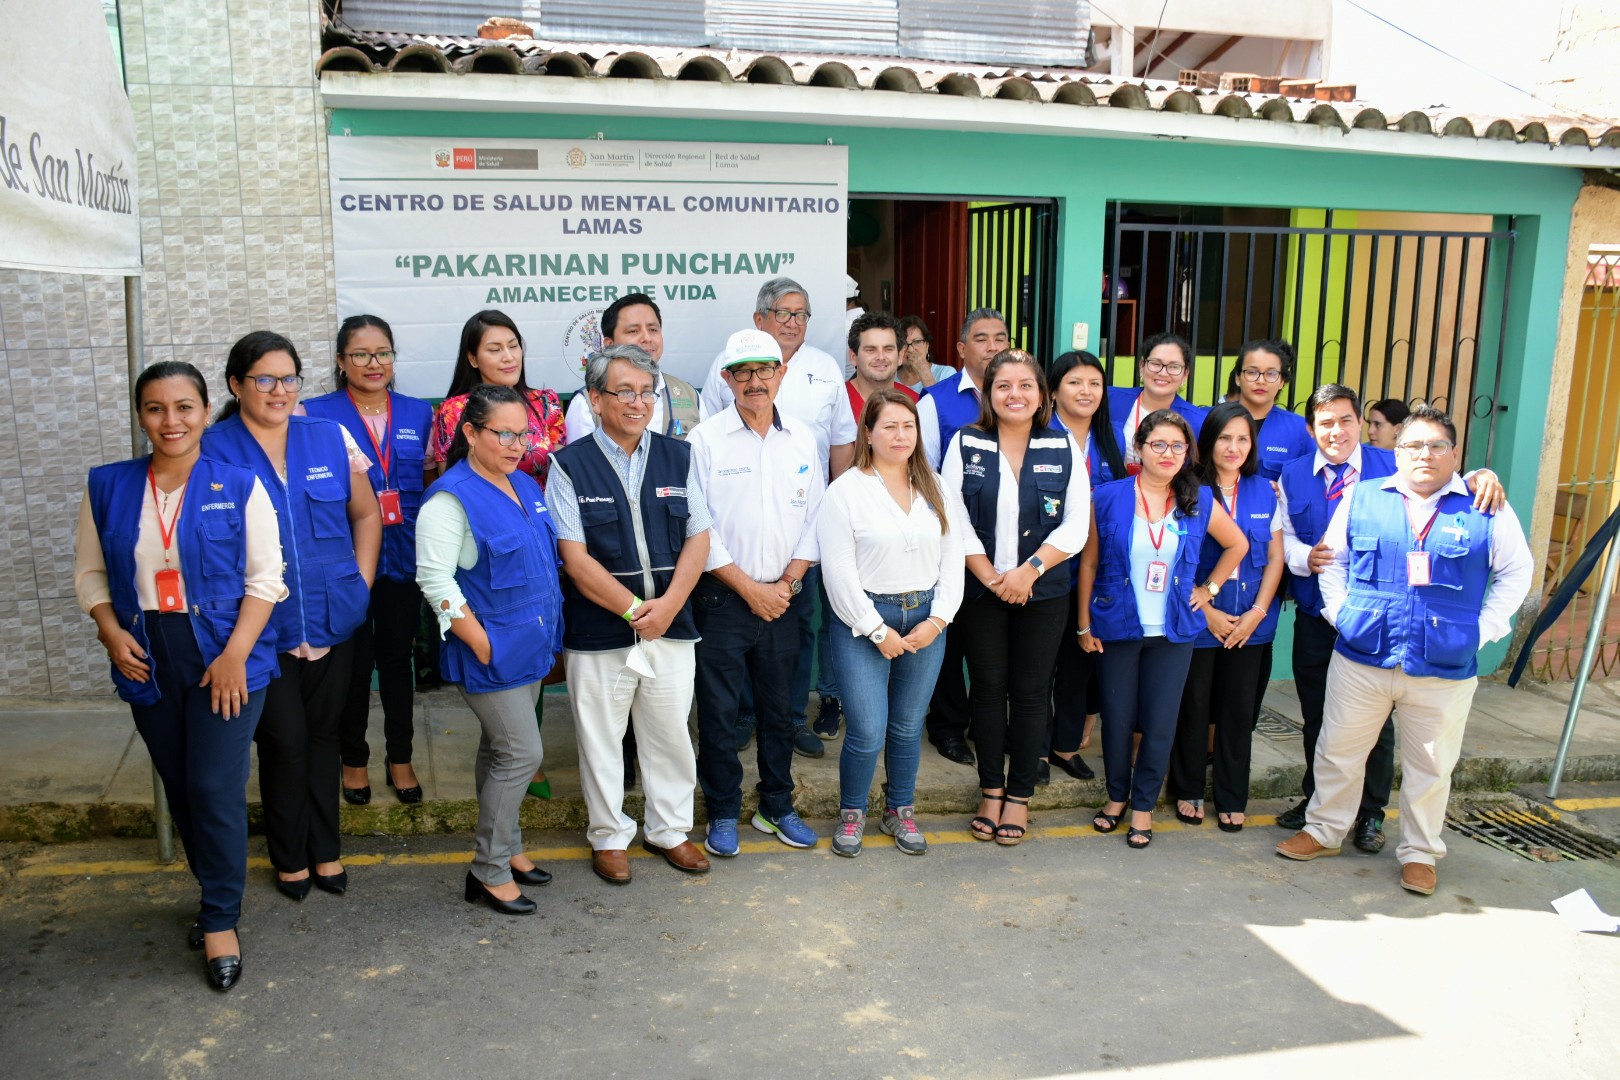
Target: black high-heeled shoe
(476, 891)
(536, 876)
(408, 795)
(293, 890)
(194, 936)
(336, 884)
(357, 796)
(225, 971)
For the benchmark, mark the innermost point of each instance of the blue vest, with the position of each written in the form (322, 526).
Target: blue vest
(327, 598)
(955, 408)
(211, 539)
(1425, 630)
(1309, 511)
(412, 420)
(512, 589)
(607, 514)
(1113, 601)
(1042, 489)
(1122, 399)
(1256, 507)
(1284, 436)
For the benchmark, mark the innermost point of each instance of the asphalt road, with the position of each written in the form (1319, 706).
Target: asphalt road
(1204, 956)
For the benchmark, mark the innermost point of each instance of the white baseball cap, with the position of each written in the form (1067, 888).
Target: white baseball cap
(852, 288)
(750, 347)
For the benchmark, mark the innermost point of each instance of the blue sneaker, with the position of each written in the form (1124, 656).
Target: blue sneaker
(722, 838)
(789, 828)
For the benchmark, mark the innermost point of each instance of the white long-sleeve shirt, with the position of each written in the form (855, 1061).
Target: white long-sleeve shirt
(1511, 564)
(1069, 536)
(763, 491)
(870, 545)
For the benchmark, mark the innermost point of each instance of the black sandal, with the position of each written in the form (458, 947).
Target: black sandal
(1145, 834)
(1188, 819)
(989, 827)
(1229, 826)
(1110, 821)
(1015, 834)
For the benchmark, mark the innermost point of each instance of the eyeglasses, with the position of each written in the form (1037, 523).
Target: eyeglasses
(1254, 374)
(763, 374)
(1159, 367)
(507, 438)
(783, 315)
(267, 383)
(915, 343)
(1431, 448)
(629, 396)
(1159, 446)
(361, 358)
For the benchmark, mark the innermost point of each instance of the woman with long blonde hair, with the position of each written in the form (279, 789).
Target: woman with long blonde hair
(893, 571)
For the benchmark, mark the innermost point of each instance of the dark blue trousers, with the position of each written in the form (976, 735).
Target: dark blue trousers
(203, 760)
(739, 647)
(1141, 691)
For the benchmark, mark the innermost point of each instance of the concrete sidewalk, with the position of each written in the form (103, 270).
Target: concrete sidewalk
(76, 769)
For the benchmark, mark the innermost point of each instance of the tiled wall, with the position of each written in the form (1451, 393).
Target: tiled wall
(235, 236)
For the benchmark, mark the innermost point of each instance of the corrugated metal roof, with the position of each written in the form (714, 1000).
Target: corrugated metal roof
(634, 22)
(348, 49)
(440, 17)
(860, 26)
(1051, 33)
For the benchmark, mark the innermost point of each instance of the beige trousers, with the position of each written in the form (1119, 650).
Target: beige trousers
(1430, 715)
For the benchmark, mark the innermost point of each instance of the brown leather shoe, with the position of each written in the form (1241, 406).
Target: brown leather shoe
(1302, 847)
(1419, 878)
(612, 866)
(686, 856)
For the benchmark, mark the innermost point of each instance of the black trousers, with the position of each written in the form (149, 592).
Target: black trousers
(948, 715)
(385, 641)
(1220, 690)
(1314, 638)
(298, 758)
(203, 760)
(1141, 691)
(1075, 694)
(1010, 652)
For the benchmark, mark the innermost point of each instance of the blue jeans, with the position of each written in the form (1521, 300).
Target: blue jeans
(1141, 691)
(885, 706)
(810, 604)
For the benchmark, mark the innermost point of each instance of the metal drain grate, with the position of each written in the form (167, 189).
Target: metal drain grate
(1277, 727)
(1533, 833)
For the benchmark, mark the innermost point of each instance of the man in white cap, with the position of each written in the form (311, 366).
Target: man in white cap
(760, 473)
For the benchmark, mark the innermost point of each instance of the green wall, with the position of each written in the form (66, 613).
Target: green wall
(1085, 174)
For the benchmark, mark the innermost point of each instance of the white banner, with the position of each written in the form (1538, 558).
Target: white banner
(428, 231)
(67, 143)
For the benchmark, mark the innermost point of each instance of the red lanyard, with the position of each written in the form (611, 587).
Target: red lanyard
(1169, 501)
(388, 430)
(1421, 534)
(165, 532)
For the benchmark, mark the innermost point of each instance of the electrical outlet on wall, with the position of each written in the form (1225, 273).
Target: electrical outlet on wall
(1080, 336)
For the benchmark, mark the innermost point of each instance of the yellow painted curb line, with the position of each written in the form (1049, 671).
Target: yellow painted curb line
(1587, 804)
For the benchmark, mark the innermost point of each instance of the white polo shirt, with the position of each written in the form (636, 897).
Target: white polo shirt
(763, 493)
(812, 391)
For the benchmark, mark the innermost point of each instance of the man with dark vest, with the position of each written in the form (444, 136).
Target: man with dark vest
(948, 406)
(634, 319)
(1418, 581)
(633, 533)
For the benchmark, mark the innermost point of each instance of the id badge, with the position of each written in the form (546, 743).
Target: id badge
(1417, 568)
(1158, 573)
(389, 502)
(168, 591)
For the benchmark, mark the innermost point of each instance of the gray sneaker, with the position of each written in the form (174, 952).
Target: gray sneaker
(846, 840)
(901, 823)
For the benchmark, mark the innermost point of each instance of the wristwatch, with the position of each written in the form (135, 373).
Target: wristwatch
(1035, 561)
(1213, 586)
(878, 636)
(794, 585)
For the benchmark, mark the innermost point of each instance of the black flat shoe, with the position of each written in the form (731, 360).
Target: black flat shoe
(225, 971)
(357, 796)
(407, 795)
(476, 892)
(536, 876)
(1074, 766)
(954, 748)
(293, 890)
(194, 936)
(336, 884)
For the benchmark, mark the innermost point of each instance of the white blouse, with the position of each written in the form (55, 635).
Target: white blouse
(868, 544)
